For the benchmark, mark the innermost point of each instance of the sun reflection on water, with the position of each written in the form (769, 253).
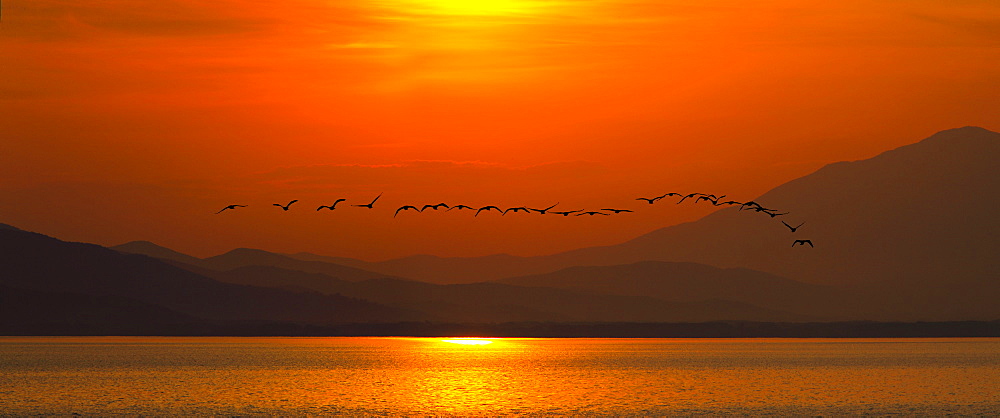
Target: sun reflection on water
(468, 341)
(447, 376)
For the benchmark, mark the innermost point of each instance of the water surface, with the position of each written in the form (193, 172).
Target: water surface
(421, 376)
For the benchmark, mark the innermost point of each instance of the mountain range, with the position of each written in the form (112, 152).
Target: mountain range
(909, 234)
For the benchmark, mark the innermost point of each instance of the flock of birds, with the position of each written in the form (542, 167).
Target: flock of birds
(751, 206)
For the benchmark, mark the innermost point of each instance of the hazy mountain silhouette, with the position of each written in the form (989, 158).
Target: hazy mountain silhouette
(247, 257)
(920, 214)
(9, 227)
(443, 270)
(910, 234)
(155, 251)
(496, 302)
(912, 231)
(34, 262)
(692, 282)
(243, 257)
(25, 311)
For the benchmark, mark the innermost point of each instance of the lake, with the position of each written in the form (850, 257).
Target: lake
(430, 376)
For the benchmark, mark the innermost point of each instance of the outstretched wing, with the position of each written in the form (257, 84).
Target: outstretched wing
(402, 208)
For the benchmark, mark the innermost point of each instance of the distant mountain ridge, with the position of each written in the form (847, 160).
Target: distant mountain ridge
(140, 288)
(919, 211)
(690, 282)
(915, 213)
(38, 263)
(498, 302)
(911, 232)
(155, 251)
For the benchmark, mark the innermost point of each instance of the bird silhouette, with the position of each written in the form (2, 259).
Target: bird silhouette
(331, 207)
(460, 207)
(688, 196)
(793, 228)
(650, 200)
(487, 208)
(592, 213)
(407, 207)
(435, 207)
(731, 202)
(543, 211)
(715, 201)
(370, 205)
(803, 243)
(617, 210)
(750, 203)
(285, 207)
(230, 207)
(772, 213)
(515, 210)
(567, 213)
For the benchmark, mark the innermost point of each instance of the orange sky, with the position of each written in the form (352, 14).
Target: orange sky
(125, 119)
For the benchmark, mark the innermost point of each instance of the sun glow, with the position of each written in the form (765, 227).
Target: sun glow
(475, 7)
(468, 341)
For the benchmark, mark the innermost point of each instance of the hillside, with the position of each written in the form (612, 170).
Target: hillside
(34, 262)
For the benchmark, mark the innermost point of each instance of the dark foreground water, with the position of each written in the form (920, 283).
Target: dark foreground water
(430, 376)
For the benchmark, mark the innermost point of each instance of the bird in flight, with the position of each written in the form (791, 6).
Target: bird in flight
(543, 211)
(460, 207)
(715, 201)
(230, 207)
(515, 210)
(369, 206)
(567, 213)
(793, 228)
(650, 200)
(731, 202)
(435, 207)
(487, 208)
(772, 213)
(285, 207)
(803, 242)
(592, 213)
(407, 207)
(331, 207)
(618, 210)
(689, 196)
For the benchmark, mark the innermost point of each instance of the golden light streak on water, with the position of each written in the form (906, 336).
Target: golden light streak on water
(467, 341)
(511, 376)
